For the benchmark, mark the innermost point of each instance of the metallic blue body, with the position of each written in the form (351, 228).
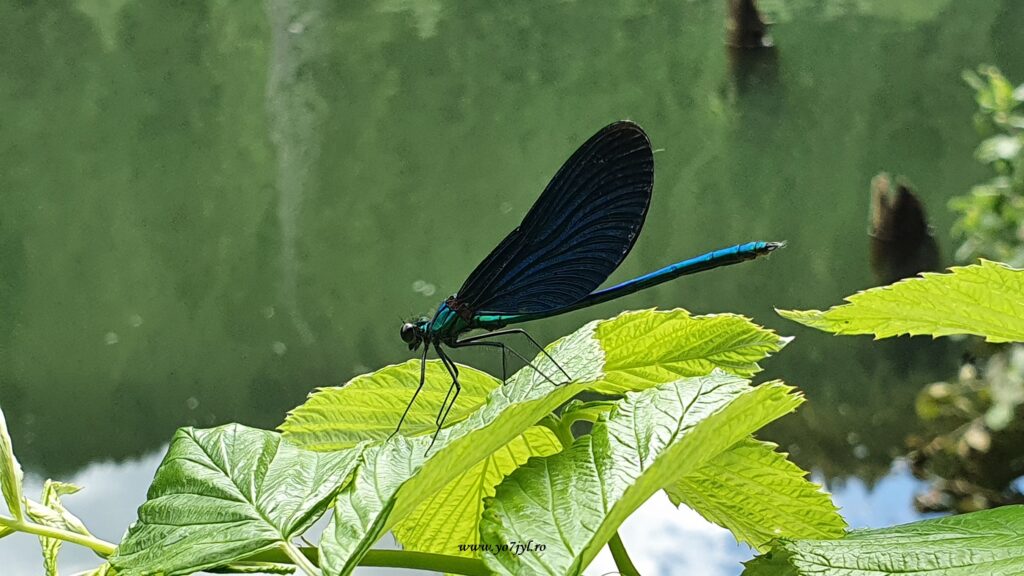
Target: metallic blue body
(447, 324)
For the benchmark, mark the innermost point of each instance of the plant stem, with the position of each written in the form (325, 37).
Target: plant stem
(425, 561)
(393, 559)
(300, 559)
(101, 547)
(553, 423)
(621, 557)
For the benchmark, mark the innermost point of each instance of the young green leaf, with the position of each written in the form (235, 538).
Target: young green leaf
(451, 516)
(368, 406)
(10, 473)
(573, 502)
(985, 299)
(51, 512)
(577, 410)
(51, 547)
(225, 493)
(771, 564)
(758, 495)
(987, 542)
(396, 477)
(699, 344)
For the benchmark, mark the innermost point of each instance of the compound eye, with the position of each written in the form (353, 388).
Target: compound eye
(408, 333)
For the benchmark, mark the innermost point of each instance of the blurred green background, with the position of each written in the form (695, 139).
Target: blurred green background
(211, 208)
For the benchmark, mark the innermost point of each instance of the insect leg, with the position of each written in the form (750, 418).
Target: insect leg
(423, 376)
(509, 331)
(453, 370)
(442, 414)
(504, 347)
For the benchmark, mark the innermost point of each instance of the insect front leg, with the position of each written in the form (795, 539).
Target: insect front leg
(423, 377)
(446, 406)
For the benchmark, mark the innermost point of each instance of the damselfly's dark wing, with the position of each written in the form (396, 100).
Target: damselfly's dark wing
(576, 234)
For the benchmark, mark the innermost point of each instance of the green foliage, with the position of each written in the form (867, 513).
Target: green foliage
(680, 417)
(986, 542)
(10, 474)
(232, 498)
(991, 216)
(759, 496)
(451, 516)
(575, 500)
(396, 477)
(48, 520)
(226, 493)
(982, 299)
(52, 513)
(643, 349)
(364, 408)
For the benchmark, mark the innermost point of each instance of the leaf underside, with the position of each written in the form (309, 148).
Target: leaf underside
(573, 502)
(225, 493)
(758, 495)
(989, 542)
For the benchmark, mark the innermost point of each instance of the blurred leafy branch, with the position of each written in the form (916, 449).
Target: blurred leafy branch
(969, 447)
(991, 215)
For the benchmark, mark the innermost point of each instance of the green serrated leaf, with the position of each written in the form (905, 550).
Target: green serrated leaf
(758, 495)
(985, 299)
(451, 516)
(367, 407)
(987, 542)
(770, 564)
(396, 477)
(11, 475)
(677, 345)
(226, 493)
(573, 502)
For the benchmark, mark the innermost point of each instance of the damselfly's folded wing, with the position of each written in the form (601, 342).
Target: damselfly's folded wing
(577, 233)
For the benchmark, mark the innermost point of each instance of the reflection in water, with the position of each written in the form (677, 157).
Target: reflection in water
(755, 74)
(902, 244)
(747, 28)
(973, 449)
(295, 110)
